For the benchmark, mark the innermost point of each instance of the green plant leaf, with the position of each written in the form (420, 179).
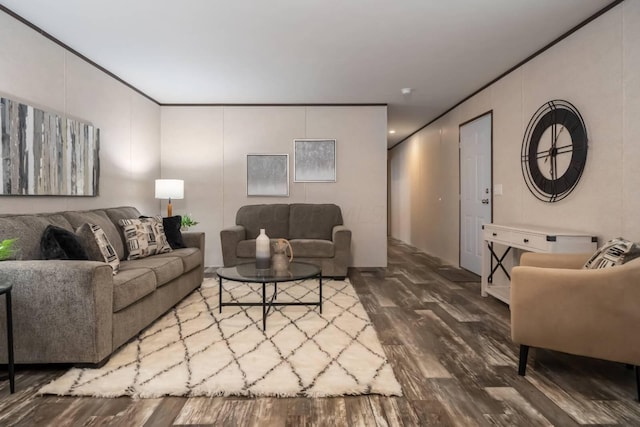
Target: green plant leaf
(6, 248)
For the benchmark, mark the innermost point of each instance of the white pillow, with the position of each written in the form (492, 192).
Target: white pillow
(615, 252)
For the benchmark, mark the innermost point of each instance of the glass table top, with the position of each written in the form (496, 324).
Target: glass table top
(249, 273)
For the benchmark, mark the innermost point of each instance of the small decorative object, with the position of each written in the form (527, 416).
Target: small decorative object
(6, 249)
(187, 222)
(169, 189)
(268, 175)
(280, 261)
(46, 154)
(554, 151)
(263, 251)
(315, 160)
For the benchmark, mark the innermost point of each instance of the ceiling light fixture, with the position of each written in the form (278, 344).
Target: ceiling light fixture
(392, 131)
(406, 90)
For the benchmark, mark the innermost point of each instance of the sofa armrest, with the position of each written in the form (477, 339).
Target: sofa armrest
(229, 239)
(193, 239)
(585, 312)
(534, 259)
(196, 239)
(341, 237)
(62, 311)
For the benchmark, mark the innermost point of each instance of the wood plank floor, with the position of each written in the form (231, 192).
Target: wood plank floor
(450, 350)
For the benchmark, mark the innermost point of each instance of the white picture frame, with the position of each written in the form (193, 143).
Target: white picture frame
(314, 160)
(268, 175)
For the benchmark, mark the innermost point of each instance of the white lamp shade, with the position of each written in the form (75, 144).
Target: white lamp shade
(169, 189)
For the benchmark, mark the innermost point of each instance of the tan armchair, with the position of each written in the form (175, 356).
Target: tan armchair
(558, 306)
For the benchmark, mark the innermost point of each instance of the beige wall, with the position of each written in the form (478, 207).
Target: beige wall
(596, 69)
(207, 147)
(39, 72)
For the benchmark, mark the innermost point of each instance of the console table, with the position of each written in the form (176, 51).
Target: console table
(499, 240)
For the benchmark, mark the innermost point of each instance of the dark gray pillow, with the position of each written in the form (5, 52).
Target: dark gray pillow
(58, 243)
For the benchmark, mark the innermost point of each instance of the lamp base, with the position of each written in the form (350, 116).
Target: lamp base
(169, 209)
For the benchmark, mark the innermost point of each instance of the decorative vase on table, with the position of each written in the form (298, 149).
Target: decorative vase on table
(280, 261)
(263, 251)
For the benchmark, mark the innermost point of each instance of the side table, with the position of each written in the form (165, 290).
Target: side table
(6, 291)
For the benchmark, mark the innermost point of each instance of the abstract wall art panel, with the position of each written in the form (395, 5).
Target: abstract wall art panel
(45, 154)
(315, 160)
(268, 175)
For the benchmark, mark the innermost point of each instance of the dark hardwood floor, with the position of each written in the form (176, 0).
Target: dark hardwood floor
(450, 350)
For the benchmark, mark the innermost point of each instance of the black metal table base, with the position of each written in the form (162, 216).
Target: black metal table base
(271, 302)
(10, 364)
(499, 262)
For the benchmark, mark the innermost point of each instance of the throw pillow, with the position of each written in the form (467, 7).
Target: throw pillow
(98, 246)
(615, 252)
(172, 226)
(59, 243)
(144, 237)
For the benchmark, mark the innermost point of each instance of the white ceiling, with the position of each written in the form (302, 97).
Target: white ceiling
(309, 51)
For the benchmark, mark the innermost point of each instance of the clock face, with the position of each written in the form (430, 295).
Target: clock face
(554, 151)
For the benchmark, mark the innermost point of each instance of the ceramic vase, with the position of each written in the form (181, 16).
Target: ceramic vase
(263, 251)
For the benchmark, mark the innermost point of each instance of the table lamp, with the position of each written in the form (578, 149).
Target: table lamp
(169, 189)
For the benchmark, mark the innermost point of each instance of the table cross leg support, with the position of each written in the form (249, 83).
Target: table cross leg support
(499, 264)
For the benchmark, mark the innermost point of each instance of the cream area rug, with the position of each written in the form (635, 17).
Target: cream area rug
(194, 350)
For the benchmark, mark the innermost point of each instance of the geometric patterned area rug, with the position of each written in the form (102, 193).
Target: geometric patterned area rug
(194, 350)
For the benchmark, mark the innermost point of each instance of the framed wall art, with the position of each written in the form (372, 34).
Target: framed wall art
(314, 160)
(268, 175)
(46, 154)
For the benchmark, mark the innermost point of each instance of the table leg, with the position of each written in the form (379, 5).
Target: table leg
(10, 366)
(320, 279)
(275, 290)
(220, 294)
(264, 307)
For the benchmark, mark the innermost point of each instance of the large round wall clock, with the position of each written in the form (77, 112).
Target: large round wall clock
(554, 151)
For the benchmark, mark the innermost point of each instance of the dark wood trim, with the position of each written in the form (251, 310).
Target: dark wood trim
(272, 105)
(73, 51)
(515, 67)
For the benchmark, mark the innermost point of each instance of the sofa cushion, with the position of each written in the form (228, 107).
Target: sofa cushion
(144, 237)
(131, 285)
(273, 218)
(313, 221)
(98, 246)
(191, 257)
(98, 217)
(312, 248)
(58, 243)
(29, 229)
(165, 268)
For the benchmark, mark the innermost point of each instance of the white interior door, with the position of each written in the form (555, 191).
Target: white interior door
(475, 189)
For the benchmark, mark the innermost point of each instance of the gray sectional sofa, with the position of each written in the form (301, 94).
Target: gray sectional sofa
(78, 311)
(315, 231)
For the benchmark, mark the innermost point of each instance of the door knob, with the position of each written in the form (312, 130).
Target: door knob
(485, 201)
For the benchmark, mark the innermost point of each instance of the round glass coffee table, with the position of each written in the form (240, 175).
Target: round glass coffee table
(250, 274)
